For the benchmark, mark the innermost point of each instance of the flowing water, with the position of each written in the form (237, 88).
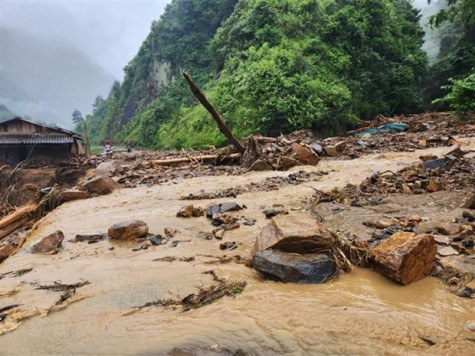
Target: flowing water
(362, 313)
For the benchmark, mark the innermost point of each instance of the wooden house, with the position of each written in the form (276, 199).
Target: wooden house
(21, 139)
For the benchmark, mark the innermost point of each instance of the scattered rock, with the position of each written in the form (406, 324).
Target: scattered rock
(10, 244)
(259, 166)
(270, 213)
(470, 202)
(74, 194)
(470, 325)
(190, 211)
(305, 155)
(91, 238)
(49, 244)
(447, 251)
(230, 245)
(107, 169)
(449, 229)
(222, 208)
(294, 268)
(441, 239)
(285, 162)
(306, 241)
(128, 230)
(404, 257)
(435, 163)
(331, 151)
(100, 185)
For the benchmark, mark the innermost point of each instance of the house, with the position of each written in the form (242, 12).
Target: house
(21, 139)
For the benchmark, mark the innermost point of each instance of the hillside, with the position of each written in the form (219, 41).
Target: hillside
(269, 67)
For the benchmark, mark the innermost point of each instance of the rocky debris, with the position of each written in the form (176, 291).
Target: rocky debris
(449, 173)
(100, 185)
(128, 230)
(229, 245)
(449, 229)
(190, 211)
(270, 213)
(73, 194)
(447, 251)
(268, 184)
(214, 210)
(470, 202)
(10, 244)
(49, 244)
(404, 257)
(294, 268)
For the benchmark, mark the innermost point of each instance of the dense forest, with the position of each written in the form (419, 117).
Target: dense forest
(274, 66)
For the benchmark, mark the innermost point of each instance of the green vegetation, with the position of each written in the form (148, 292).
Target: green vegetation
(455, 64)
(269, 67)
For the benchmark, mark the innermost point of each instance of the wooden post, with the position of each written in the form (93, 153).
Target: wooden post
(221, 125)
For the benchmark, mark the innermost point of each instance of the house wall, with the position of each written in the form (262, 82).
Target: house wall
(12, 155)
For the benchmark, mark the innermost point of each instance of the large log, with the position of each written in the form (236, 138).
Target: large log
(221, 125)
(172, 161)
(17, 214)
(404, 257)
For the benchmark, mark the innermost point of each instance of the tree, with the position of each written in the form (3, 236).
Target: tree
(79, 121)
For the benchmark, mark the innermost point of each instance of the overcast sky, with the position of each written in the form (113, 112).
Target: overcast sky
(109, 31)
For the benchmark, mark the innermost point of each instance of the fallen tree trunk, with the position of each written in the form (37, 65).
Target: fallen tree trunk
(221, 125)
(17, 219)
(165, 162)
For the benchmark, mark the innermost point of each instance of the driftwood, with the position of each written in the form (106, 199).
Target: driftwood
(166, 162)
(221, 125)
(18, 218)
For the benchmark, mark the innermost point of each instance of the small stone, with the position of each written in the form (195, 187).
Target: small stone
(49, 244)
(422, 143)
(260, 166)
(406, 189)
(10, 244)
(441, 239)
(447, 251)
(449, 229)
(190, 211)
(285, 162)
(470, 202)
(435, 163)
(316, 148)
(470, 325)
(427, 157)
(74, 194)
(432, 186)
(128, 230)
(331, 151)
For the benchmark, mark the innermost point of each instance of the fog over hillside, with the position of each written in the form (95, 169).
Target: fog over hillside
(47, 80)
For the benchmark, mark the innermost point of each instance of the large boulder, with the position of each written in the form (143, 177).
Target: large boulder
(304, 241)
(100, 185)
(49, 244)
(107, 169)
(294, 268)
(405, 256)
(128, 230)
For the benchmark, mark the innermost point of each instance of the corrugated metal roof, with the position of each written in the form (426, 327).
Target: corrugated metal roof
(22, 139)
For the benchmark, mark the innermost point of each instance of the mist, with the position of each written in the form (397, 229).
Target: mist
(57, 56)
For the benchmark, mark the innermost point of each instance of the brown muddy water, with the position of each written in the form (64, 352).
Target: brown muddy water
(361, 313)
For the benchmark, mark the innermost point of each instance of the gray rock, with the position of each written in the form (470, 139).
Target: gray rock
(294, 268)
(435, 163)
(316, 148)
(222, 208)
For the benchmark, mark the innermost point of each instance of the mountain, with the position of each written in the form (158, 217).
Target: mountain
(47, 80)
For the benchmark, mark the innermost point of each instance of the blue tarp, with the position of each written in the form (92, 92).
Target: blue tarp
(390, 127)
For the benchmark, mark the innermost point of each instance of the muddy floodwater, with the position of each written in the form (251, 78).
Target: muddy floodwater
(361, 313)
